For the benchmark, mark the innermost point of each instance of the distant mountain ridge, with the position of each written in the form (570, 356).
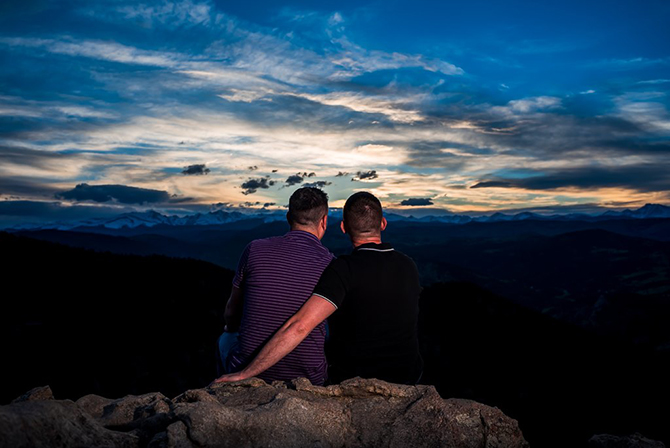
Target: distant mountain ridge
(153, 218)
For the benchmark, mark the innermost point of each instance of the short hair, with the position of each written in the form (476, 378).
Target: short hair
(307, 206)
(362, 214)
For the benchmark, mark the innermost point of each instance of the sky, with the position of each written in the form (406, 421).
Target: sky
(441, 107)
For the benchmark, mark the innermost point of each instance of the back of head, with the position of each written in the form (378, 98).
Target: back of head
(306, 207)
(362, 215)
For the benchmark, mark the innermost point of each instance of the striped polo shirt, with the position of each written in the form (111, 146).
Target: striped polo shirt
(277, 275)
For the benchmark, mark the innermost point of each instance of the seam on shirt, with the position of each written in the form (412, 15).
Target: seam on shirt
(326, 298)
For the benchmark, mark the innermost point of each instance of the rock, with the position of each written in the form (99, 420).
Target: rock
(38, 393)
(356, 413)
(144, 416)
(636, 440)
(177, 436)
(131, 409)
(94, 404)
(56, 423)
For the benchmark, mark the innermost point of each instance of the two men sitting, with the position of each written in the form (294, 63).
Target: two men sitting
(286, 287)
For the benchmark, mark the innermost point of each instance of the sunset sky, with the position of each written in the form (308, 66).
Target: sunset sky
(476, 106)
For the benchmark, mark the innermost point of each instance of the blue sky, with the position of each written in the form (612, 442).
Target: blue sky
(109, 106)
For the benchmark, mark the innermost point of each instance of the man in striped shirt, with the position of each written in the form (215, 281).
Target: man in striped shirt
(274, 278)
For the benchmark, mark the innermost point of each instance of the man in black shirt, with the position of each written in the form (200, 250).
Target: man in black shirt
(373, 296)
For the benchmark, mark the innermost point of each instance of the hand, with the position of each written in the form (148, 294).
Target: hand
(229, 378)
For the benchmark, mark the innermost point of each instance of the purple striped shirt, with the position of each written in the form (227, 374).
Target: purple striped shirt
(277, 275)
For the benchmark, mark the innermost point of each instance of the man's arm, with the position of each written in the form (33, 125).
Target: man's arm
(292, 333)
(233, 312)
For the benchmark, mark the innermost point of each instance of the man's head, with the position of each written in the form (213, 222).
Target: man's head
(308, 209)
(362, 216)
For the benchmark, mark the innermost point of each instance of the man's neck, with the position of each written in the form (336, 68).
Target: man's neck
(365, 240)
(306, 229)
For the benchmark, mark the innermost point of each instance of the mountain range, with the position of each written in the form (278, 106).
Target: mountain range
(153, 218)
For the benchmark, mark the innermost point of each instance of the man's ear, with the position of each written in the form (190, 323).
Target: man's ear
(342, 227)
(324, 222)
(384, 223)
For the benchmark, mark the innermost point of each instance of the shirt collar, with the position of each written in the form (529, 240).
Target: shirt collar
(374, 246)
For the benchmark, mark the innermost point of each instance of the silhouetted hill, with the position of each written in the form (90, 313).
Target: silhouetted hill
(561, 382)
(579, 277)
(96, 322)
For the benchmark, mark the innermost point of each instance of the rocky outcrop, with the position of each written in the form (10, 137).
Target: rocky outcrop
(357, 413)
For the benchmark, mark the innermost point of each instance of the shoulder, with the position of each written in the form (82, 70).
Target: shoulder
(403, 260)
(265, 242)
(339, 267)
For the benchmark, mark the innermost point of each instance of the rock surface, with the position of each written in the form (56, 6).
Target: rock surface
(636, 440)
(357, 413)
(36, 394)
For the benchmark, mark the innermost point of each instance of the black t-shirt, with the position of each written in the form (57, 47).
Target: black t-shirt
(373, 332)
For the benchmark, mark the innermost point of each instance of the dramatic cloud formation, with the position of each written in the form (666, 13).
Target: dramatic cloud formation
(195, 169)
(114, 193)
(374, 95)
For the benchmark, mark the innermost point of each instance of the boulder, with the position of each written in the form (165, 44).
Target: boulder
(356, 413)
(54, 424)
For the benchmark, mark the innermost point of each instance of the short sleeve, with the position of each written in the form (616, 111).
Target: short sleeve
(335, 282)
(241, 267)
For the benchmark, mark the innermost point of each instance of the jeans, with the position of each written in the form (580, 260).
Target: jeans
(227, 341)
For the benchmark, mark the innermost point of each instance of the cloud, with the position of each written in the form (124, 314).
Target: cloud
(26, 186)
(341, 174)
(173, 13)
(108, 51)
(639, 177)
(318, 184)
(298, 178)
(398, 108)
(654, 81)
(253, 185)
(527, 105)
(356, 60)
(363, 175)
(493, 184)
(415, 202)
(292, 180)
(195, 170)
(252, 168)
(114, 193)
